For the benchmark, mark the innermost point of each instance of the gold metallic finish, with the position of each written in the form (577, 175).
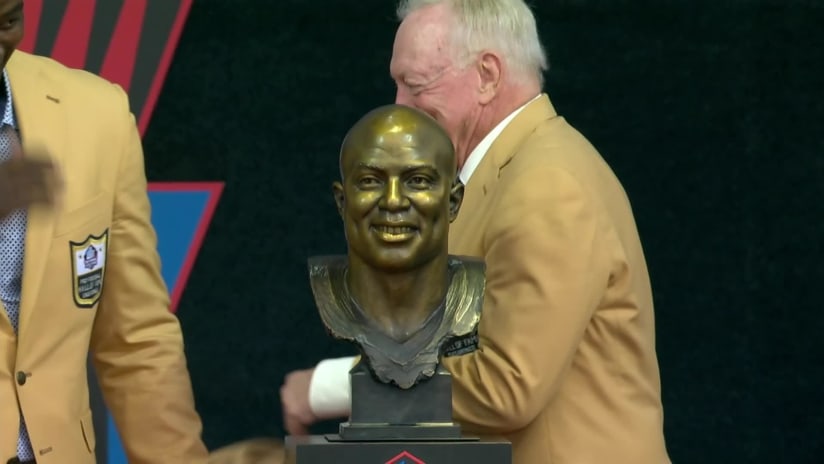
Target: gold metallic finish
(398, 294)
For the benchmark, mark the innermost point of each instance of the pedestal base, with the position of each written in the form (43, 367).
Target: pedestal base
(318, 449)
(377, 432)
(382, 412)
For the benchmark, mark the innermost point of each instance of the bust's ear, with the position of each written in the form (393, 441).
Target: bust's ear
(337, 191)
(455, 198)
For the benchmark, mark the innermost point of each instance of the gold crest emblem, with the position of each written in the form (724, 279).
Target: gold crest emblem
(88, 268)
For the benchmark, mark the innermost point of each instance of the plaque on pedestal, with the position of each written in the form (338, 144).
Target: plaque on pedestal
(400, 297)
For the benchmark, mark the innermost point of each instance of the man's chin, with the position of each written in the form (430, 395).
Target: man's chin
(396, 263)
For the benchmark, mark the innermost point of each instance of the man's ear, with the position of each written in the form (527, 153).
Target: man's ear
(490, 70)
(455, 198)
(337, 191)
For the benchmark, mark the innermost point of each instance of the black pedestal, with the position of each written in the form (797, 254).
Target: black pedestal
(390, 425)
(317, 449)
(385, 412)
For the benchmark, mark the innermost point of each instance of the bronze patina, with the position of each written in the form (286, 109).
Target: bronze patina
(398, 294)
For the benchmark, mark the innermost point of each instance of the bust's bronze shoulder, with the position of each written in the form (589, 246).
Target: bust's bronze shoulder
(407, 362)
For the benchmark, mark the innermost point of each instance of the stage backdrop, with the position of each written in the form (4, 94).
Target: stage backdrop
(131, 43)
(709, 111)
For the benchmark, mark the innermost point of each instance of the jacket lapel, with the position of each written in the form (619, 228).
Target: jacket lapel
(42, 124)
(463, 229)
(483, 180)
(518, 130)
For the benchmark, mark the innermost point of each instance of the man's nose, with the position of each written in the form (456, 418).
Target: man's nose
(393, 197)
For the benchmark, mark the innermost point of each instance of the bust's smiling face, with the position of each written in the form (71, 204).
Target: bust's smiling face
(398, 192)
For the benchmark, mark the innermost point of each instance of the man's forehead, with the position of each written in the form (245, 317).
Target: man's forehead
(395, 127)
(429, 21)
(396, 131)
(7, 6)
(395, 157)
(421, 38)
(399, 158)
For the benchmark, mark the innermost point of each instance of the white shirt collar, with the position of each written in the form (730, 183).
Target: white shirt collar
(479, 152)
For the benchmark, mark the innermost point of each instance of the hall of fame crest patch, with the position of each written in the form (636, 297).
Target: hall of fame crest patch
(88, 267)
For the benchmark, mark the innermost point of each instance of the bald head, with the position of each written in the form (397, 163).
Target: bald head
(399, 189)
(397, 128)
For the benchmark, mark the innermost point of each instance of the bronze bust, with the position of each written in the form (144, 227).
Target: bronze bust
(398, 294)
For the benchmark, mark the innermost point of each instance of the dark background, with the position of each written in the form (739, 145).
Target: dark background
(709, 111)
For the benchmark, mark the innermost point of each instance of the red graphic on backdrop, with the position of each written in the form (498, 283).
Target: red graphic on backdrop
(129, 42)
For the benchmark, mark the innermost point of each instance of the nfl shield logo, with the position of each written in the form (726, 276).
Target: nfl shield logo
(405, 458)
(88, 266)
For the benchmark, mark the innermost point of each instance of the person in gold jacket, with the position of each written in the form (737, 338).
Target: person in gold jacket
(566, 368)
(80, 274)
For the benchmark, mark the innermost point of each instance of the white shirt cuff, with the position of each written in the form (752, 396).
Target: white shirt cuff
(330, 393)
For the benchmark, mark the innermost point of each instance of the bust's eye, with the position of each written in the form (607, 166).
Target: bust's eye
(419, 181)
(368, 181)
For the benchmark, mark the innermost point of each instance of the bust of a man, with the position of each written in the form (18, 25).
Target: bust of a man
(398, 294)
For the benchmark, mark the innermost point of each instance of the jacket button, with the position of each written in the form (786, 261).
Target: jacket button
(21, 378)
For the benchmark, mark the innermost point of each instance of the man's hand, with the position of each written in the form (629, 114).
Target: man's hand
(26, 181)
(294, 399)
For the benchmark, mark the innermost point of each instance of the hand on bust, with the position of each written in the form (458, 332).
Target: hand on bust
(294, 399)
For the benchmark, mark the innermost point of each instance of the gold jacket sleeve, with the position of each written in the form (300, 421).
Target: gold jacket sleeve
(136, 342)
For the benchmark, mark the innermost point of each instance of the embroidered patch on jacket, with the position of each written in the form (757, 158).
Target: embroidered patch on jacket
(461, 345)
(88, 267)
